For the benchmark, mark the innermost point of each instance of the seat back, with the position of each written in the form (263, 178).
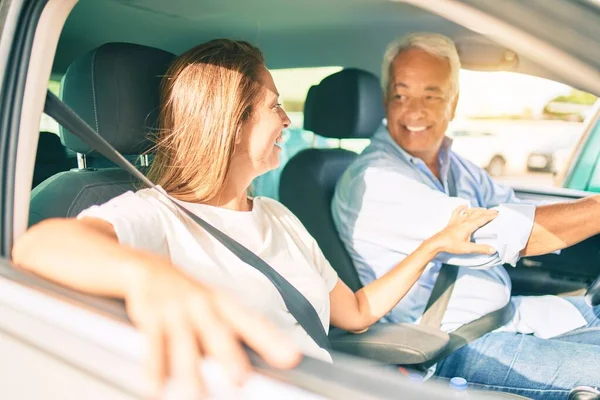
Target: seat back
(347, 104)
(115, 89)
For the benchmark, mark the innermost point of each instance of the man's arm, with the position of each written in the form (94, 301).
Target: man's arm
(557, 226)
(398, 213)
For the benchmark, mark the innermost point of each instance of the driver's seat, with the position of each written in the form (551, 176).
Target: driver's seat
(345, 105)
(115, 89)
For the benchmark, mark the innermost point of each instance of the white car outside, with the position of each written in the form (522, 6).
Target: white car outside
(503, 146)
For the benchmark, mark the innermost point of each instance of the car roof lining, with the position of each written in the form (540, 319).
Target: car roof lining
(311, 33)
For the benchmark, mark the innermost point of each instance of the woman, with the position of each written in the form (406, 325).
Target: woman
(220, 124)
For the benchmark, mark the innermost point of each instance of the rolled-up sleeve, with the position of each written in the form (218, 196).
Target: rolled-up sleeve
(508, 233)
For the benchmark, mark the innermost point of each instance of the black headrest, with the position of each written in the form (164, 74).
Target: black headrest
(115, 89)
(347, 104)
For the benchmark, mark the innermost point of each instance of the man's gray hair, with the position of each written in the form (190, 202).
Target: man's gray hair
(432, 43)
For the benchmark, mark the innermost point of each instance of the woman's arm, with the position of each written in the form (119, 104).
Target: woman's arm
(181, 317)
(82, 254)
(355, 312)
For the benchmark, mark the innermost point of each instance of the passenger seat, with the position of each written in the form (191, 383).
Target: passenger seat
(115, 89)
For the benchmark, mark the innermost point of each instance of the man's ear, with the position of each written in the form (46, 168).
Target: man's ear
(454, 104)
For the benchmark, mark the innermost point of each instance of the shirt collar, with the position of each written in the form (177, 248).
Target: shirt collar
(382, 135)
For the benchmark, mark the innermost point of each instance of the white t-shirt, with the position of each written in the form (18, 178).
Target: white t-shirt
(147, 221)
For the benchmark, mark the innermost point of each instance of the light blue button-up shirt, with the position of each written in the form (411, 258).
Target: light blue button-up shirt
(387, 202)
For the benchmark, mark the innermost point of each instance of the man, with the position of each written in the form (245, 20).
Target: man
(403, 188)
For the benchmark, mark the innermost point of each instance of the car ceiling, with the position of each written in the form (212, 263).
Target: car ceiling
(308, 33)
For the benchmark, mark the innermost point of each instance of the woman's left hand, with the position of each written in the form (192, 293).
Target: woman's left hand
(455, 238)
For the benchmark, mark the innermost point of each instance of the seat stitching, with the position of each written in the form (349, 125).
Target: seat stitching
(94, 91)
(91, 185)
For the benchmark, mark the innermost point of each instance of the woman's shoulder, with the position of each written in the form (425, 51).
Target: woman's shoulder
(142, 201)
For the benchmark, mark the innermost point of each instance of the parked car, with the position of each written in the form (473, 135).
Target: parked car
(553, 155)
(505, 147)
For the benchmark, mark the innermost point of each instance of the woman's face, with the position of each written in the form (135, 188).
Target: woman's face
(258, 150)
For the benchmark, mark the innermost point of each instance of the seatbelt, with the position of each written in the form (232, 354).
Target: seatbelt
(440, 296)
(438, 304)
(300, 308)
(444, 284)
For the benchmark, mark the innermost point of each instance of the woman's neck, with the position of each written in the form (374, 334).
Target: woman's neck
(233, 196)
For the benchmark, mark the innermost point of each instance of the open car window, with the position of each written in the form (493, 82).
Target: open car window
(43, 319)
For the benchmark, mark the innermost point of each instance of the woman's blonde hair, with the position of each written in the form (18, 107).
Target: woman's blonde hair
(205, 96)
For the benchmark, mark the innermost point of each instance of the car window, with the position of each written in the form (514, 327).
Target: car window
(51, 156)
(520, 128)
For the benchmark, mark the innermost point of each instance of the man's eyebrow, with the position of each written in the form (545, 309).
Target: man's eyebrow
(433, 89)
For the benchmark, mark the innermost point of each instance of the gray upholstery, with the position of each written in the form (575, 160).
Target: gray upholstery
(68, 193)
(115, 89)
(405, 344)
(347, 104)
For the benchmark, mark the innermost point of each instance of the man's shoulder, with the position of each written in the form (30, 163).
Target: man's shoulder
(469, 167)
(463, 161)
(370, 162)
(375, 174)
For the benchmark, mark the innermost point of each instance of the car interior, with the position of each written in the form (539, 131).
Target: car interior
(111, 56)
(336, 26)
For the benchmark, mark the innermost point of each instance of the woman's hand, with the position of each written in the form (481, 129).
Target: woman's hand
(185, 320)
(455, 238)
(182, 318)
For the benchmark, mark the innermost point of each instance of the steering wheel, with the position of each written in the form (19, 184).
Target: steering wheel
(592, 295)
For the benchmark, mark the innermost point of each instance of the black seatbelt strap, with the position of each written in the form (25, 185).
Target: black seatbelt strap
(300, 308)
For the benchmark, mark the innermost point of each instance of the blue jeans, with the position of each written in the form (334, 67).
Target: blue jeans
(530, 366)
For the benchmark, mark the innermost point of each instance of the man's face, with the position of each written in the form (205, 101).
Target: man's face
(419, 102)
